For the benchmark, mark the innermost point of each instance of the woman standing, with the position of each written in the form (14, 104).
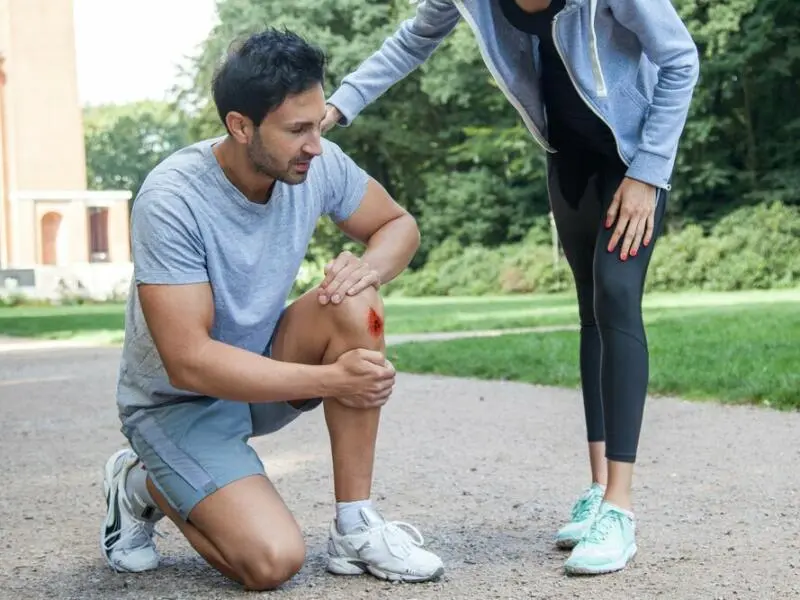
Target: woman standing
(604, 86)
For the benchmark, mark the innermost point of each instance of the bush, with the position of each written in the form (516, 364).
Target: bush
(470, 272)
(756, 247)
(531, 269)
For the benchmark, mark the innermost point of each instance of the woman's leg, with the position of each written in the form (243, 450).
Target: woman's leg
(619, 287)
(624, 371)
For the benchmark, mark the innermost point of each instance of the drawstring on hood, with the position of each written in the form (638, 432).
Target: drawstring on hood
(594, 57)
(597, 70)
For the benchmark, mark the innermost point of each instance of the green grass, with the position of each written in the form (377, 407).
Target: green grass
(412, 315)
(415, 315)
(403, 316)
(736, 347)
(105, 322)
(94, 321)
(737, 354)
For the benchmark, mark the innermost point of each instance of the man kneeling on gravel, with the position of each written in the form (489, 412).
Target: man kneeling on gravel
(211, 356)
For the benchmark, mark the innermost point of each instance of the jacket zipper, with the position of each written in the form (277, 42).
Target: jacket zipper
(580, 92)
(493, 70)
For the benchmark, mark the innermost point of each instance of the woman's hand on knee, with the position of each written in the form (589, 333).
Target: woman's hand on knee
(633, 208)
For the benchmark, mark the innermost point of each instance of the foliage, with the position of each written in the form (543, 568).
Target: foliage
(754, 247)
(124, 142)
(449, 147)
(739, 147)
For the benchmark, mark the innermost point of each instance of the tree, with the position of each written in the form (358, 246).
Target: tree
(124, 142)
(425, 136)
(450, 148)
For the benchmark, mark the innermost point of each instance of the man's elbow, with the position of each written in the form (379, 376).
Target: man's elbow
(181, 376)
(185, 371)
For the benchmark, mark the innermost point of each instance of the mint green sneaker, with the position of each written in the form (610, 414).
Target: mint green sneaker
(583, 513)
(608, 545)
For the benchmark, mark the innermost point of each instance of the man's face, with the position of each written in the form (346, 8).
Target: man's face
(289, 137)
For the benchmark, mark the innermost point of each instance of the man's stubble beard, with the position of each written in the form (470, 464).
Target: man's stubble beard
(266, 165)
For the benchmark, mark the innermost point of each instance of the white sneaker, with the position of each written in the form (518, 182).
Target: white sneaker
(384, 550)
(126, 540)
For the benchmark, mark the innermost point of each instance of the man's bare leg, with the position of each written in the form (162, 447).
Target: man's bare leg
(353, 432)
(357, 323)
(313, 334)
(244, 529)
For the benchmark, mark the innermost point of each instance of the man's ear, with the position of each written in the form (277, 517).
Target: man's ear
(239, 126)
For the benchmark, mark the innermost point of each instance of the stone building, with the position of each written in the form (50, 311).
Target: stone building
(54, 233)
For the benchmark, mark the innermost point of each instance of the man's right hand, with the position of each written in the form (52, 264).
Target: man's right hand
(365, 379)
(332, 117)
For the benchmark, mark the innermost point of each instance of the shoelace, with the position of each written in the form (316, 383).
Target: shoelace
(586, 506)
(400, 538)
(603, 527)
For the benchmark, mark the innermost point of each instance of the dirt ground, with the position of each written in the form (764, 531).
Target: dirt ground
(486, 471)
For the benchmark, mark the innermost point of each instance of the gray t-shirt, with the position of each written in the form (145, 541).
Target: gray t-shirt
(190, 224)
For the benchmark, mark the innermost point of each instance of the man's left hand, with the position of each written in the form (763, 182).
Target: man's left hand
(346, 275)
(633, 208)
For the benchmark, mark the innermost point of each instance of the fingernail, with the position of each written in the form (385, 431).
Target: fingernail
(336, 298)
(633, 252)
(624, 256)
(323, 299)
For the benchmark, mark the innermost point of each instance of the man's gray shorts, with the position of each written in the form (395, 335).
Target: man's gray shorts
(195, 447)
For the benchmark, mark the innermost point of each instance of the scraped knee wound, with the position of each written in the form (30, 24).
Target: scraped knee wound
(374, 323)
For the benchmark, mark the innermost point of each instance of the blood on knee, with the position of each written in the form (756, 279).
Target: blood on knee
(374, 323)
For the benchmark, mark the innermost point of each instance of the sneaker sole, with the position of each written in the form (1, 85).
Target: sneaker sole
(604, 569)
(349, 567)
(112, 508)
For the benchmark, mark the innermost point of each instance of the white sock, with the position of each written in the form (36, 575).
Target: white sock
(139, 498)
(348, 515)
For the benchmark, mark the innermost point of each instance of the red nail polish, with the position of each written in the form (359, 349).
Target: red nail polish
(633, 252)
(624, 257)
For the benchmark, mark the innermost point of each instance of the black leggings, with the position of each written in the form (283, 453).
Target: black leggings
(614, 361)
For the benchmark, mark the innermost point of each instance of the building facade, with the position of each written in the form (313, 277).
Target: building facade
(55, 235)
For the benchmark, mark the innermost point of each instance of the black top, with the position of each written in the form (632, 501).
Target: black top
(571, 123)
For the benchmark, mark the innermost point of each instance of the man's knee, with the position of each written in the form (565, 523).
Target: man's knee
(358, 316)
(270, 564)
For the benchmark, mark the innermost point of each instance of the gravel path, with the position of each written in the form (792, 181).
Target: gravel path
(485, 470)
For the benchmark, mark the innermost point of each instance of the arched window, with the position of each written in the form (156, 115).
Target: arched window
(51, 222)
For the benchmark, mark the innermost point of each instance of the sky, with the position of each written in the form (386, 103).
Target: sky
(129, 50)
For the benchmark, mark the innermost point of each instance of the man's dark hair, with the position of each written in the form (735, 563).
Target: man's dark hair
(258, 74)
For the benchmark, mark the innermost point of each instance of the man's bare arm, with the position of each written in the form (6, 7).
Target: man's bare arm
(180, 318)
(391, 237)
(388, 231)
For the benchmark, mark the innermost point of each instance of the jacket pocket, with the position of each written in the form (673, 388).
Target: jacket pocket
(633, 93)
